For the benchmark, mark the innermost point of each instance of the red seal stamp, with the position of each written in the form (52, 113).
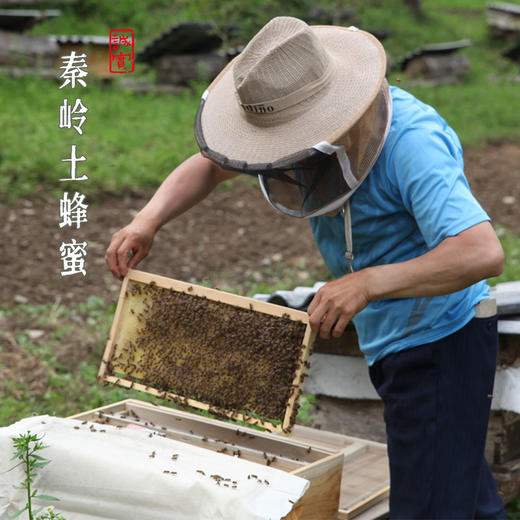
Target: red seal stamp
(121, 51)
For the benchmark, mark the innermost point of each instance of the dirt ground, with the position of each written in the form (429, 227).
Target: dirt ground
(233, 232)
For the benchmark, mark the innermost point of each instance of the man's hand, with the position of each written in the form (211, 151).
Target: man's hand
(187, 185)
(336, 303)
(457, 262)
(128, 247)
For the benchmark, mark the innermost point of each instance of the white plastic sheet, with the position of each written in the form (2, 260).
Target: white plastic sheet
(119, 474)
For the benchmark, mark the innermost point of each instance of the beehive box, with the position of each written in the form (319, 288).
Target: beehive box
(229, 355)
(348, 476)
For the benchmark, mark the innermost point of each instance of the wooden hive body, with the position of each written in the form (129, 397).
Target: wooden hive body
(348, 476)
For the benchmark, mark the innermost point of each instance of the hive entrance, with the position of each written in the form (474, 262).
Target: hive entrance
(227, 354)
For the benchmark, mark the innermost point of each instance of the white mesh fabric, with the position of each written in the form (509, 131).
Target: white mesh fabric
(364, 141)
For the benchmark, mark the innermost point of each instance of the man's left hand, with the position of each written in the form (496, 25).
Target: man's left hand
(336, 303)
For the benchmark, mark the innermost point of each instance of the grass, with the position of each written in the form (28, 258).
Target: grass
(511, 245)
(134, 140)
(63, 361)
(268, 279)
(513, 510)
(122, 148)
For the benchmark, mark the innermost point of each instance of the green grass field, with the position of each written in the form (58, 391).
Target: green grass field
(132, 140)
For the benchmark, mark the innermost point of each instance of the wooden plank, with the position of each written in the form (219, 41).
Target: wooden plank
(378, 511)
(373, 497)
(295, 514)
(114, 331)
(203, 441)
(321, 500)
(118, 335)
(328, 440)
(299, 377)
(362, 475)
(217, 295)
(182, 421)
(365, 467)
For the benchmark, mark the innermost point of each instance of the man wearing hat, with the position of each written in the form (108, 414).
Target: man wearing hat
(380, 175)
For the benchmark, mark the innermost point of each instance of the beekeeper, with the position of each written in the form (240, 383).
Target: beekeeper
(380, 176)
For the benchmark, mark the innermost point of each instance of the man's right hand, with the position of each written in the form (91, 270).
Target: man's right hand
(187, 185)
(128, 247)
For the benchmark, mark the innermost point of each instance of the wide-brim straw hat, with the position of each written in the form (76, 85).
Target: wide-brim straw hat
(293, 86)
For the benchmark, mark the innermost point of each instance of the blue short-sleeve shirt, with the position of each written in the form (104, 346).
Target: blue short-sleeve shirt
(415, 196)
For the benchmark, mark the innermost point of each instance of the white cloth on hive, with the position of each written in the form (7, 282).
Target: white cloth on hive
(111, 475)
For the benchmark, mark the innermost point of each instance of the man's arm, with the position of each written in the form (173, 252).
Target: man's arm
(457, 262)
(187, 185)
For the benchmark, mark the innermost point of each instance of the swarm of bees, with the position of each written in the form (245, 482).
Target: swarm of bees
(229, 357)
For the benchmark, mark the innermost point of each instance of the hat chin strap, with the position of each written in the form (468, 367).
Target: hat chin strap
(349, 253)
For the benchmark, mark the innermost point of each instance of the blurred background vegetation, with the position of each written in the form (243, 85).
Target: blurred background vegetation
(153, 133)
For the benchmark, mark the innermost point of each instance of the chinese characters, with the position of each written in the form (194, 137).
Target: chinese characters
(73, 208)
(121, 51)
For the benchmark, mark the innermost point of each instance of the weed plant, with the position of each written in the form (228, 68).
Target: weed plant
(27, 445)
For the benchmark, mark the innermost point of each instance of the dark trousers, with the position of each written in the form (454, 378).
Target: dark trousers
(437, 399)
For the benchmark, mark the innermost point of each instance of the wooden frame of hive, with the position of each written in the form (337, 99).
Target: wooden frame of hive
(349, 477)
(217, 296)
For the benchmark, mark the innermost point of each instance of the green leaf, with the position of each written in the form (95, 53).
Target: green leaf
(47, 497)
(18, 513)
(10, 469)
(18, 454)
(41, 464)
(39, 457)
